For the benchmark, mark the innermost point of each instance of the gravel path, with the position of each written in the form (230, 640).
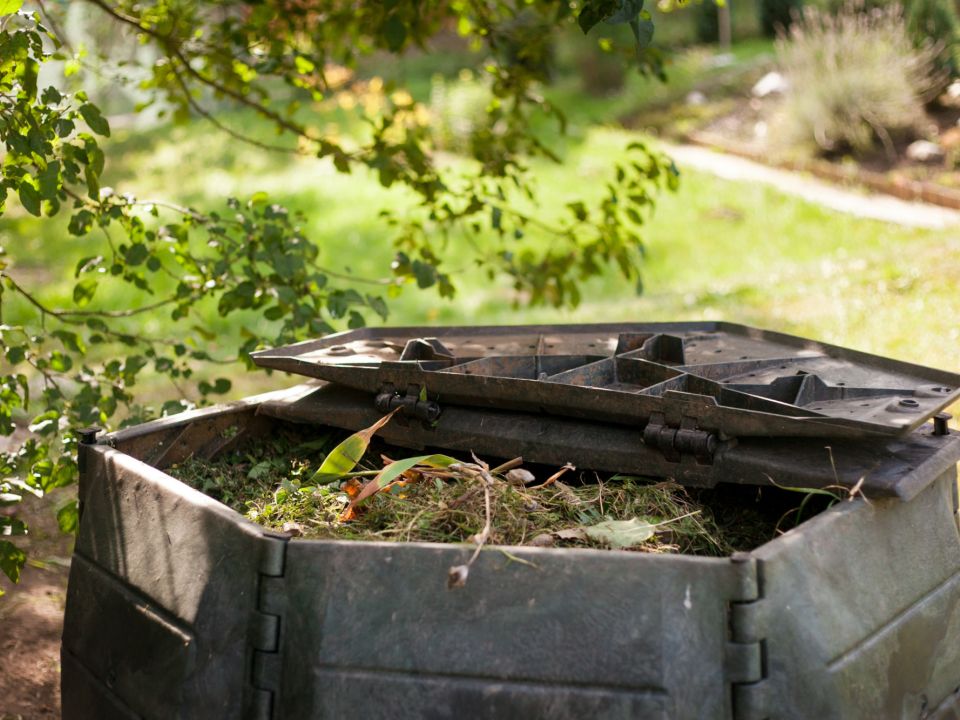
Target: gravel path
(871, 206)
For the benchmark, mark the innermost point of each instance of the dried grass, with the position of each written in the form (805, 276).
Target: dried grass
(263, 482)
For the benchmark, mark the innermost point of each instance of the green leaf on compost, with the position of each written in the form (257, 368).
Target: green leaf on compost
(620, 534)
(345, 456)
(260, 469)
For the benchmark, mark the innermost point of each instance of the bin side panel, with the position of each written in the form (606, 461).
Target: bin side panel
(84, 697)
(861, 609)
(949, 709)
(141, 653)
(186, 554)
(606, 622)
(379, 696)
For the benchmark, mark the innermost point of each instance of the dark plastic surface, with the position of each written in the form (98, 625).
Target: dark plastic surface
(735, 380)
(878, 467)
(180, 608)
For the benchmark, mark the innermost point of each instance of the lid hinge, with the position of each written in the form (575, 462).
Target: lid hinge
(414, 402)
(745, 662)
(266, 628)
(677, 442)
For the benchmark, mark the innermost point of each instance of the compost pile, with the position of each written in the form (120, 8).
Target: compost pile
(315, 488)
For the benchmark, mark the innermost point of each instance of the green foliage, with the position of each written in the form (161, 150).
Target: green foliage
(936, 21)
(777, 16)
(707, 21)
(459, 110)
(75, 361)
(929, 22)
(856, 80)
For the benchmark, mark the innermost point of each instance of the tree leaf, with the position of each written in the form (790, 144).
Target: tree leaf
(68, 517)
(620, 534)
(642, 31)
(93, 118)
(29, 197)
(9, 7)
(84, 291)
(12, 559)
(136, 254)
(627, 11)
(395, 33)
(589, 17)
(345, 456)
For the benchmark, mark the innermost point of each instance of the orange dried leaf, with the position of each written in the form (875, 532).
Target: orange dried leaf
(352, 487)
(394, 470)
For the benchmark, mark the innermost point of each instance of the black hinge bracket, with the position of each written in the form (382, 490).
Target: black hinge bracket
(745, 661)
(687, 440)
(266, 628)
(413, 402)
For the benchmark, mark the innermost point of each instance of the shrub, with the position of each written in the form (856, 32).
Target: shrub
(458, 110)
(936, 21)
(856, 79)
(707, 22)
(778, 15)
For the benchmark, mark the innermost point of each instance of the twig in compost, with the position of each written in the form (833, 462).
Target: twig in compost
(553, 478)
(457, 576)
(508, 465)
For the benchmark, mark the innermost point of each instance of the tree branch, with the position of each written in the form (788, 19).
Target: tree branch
(174, 50)
(66, 315)
(205, 114)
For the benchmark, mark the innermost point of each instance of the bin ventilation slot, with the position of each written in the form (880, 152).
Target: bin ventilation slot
(725, 378)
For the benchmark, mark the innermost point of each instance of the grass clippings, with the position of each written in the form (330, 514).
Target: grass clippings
(268, 481)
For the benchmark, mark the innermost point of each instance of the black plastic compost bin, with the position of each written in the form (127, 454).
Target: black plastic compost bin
(178, 607)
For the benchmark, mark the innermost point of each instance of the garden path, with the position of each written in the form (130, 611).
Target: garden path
(873, 206)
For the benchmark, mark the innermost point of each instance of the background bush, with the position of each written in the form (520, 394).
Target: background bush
(856, 81)
(707, 19)
(936, 21)
(458, 110)
(777, 15)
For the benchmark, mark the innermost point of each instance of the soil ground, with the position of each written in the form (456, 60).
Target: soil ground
(31, 617)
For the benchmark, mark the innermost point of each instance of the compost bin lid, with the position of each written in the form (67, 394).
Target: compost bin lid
(730, 379)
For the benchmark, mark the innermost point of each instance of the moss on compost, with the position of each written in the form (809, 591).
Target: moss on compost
(267, 481)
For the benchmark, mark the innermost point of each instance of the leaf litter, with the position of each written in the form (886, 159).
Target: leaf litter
(303, 482)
